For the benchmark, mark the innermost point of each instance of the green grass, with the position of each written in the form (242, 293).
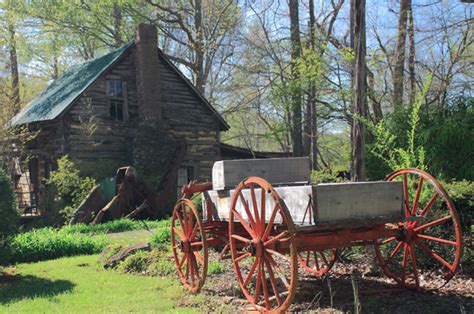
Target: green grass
(79, 285)
(119, 225)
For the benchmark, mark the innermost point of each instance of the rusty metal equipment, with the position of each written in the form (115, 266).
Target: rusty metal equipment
(269, 237)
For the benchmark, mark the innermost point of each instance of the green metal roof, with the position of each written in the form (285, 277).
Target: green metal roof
(62, 92)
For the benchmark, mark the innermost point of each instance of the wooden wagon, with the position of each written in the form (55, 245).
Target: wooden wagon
(273, 222)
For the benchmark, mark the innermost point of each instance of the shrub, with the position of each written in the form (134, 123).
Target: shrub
(136, 263)
(49, 243)
(70, 186)
(8, 213)
(326, 176)
(162, 236)
(462, 194)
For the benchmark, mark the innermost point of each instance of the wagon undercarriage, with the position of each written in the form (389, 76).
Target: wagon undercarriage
(268, 234)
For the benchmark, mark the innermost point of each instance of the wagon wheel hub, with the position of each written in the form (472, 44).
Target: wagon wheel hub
(185, 246)
(409, 233)
(256, 247)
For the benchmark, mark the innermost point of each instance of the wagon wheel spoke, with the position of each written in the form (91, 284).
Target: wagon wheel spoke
(430, 203)
(240, 238)
(405, 195)
(268, 230)
(413, 265)
(278, 271)
(198, 257)
(417, 197)
(242, 256)
(244, 224)
(247, 211)
(265, 288)
(251, 271)
(405, 262)
(181, 263)
(258, 229)
(179, 233)
(190, 226)
(276, 238)
(425, 248)
(433, 223)
(262, 210)
(271, 276)
(439, 240)
(388, 240)
(258, 283)
(394, 252)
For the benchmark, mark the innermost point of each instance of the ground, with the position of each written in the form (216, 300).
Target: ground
(80, 285)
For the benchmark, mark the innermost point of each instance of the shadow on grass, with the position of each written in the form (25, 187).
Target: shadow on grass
(31, 287)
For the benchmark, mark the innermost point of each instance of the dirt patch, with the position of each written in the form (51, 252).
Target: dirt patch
(334, 293)
(9, 276)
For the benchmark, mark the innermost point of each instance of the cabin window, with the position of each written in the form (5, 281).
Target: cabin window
(117, 100)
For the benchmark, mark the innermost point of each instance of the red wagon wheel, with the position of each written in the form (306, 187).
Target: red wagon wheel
(428, 250)
(268, 277)
(317, 263)
(189, 245)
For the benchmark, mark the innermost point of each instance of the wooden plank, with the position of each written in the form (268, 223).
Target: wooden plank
(296, 198)
(350, 202)
(226, 174)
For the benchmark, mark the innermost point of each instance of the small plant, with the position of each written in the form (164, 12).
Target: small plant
(119, 225)
(161, 238)
(215, 267)
(135, 264)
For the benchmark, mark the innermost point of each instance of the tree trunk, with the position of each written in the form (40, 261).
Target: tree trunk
(312, 96)
(296, 131)
(199, 54)
(15, 95)
(117, 14)
(359, 90)
(399, 67)
(411, 55)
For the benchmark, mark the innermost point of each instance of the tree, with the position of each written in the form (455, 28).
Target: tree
(359, 90)
(399, 68)
(296, 131)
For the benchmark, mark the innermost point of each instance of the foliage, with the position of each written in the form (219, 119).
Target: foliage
(135, 263)
(49, 243)
(70, 186)
(8, 212)
(162, 236)
(215, 267)
(448, 138)
(396, 153)
(119, 225)
(327, 176)
(462, 194)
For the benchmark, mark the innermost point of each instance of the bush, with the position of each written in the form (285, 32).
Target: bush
(70, 187)
(327, 176)
(8, 213)
(136, 263)
(162, 237)
(462, 194)
(49, 243)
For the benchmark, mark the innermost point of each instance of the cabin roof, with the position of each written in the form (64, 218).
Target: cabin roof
(62, 92)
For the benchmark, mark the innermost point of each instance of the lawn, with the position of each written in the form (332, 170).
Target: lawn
(79, 285)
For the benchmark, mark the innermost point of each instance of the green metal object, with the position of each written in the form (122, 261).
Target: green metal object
(62, 92)
(107, 188)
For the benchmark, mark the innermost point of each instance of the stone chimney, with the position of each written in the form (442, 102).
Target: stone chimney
(147, 71)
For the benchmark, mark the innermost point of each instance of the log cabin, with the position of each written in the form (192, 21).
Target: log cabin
(131, 106)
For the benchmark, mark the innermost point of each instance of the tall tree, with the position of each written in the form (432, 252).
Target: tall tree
(296, 131)
(15, 76)
(311, 132)
(411, 55)
(399, 68)
(359, 87)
